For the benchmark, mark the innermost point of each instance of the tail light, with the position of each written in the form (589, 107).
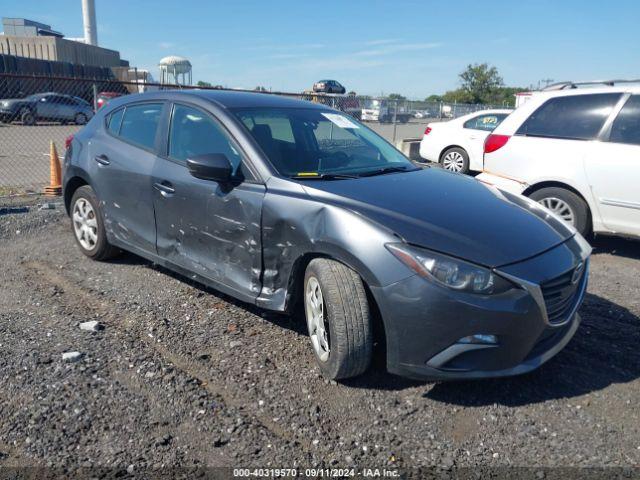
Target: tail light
(67, 142)
(427, 130)
(495, 142)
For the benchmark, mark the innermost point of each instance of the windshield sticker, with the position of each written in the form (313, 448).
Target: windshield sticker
(339, 120)
(308, 174)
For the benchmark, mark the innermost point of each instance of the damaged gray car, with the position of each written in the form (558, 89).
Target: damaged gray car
(283, 203)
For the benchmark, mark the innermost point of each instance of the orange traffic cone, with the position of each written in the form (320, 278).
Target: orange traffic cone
(55, 182)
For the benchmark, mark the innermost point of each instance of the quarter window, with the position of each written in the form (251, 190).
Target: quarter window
(626, 126)
(578, 117)
(194, 133)
(115, 119)
(485, 122)
(139, 124)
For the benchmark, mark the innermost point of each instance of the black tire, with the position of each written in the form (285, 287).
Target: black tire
(348, 317)
(453, 152)
(80, 119)
(27, 117)
(578, 207)
(102, 249)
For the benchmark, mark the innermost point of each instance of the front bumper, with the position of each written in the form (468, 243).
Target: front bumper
(424, 322)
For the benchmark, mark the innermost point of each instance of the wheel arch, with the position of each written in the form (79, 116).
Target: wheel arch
(591, 209)
(71, 185)
(449, 147)
(295, 293)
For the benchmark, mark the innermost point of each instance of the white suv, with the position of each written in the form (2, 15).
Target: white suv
(577, 152)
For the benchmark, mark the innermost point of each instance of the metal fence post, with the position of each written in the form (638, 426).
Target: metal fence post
(95, 97)
(395, 123)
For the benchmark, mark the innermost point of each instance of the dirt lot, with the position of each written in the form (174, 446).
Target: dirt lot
(184, 376)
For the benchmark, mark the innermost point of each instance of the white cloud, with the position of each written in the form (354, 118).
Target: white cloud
(397, 48)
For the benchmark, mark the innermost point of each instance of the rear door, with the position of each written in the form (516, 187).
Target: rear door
(205, 227)
(122, 156)
(48, 106)
(613, 169)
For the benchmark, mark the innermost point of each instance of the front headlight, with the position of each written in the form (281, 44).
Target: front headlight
(450, 272)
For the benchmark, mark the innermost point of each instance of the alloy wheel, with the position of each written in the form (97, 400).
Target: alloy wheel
(316, 319)
(453, 161)
(85, 224)
(560, 208)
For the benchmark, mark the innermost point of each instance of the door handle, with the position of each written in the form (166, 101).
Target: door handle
(102, 159)
(165, 188)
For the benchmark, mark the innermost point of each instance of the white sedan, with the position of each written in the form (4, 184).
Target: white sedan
(458, 144)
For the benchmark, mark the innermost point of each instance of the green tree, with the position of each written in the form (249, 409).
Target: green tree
(433, 98)
(396, 96)
(203, 84)
(481, 81)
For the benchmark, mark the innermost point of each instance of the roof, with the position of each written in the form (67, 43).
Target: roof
(231, 99)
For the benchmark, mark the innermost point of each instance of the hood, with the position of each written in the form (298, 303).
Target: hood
(449, 213)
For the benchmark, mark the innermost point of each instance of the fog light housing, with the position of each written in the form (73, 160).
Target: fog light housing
(482, 339)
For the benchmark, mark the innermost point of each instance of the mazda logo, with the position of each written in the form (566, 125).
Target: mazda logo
(577, 272)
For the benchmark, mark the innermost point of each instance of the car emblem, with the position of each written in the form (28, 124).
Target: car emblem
(577, 273)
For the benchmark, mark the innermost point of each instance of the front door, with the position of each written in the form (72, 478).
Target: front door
(122, 159)
(205, 227)
(613, 170)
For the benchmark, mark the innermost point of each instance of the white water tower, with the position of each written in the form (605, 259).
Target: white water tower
(175, 70)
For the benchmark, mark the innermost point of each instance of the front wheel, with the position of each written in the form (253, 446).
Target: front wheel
(338, 319)
(80, 119)
(27, 117)
(567, 205)
(88, 225)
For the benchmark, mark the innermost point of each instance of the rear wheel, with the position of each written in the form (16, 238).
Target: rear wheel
(88, 225)
(338, 319)
(567, 205)
(455, 159)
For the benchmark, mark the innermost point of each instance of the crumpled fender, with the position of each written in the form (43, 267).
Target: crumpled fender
(296, 228)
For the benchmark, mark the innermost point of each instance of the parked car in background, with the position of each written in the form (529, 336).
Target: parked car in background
(49, 106)
(385, 111)
(329, 86)
(104, 97)
(577, 152)
(458, 144)
(281, 202)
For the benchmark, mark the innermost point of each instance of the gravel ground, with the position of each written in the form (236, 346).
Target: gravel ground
(184, 376)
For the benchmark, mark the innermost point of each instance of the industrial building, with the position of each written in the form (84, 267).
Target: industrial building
(26, 38)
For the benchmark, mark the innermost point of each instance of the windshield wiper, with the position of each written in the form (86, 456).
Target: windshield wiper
(385, 170)
(325, 176)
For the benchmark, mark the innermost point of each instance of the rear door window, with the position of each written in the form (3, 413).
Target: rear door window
(626, 126)
(578, 117)
(139, 124)
(485, 122)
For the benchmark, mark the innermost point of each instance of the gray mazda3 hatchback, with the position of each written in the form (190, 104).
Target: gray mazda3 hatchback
(284, 203)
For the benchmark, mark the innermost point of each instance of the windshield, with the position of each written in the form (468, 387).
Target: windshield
(311, 142)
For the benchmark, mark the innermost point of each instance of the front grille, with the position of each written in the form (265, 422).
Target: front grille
(560, 294)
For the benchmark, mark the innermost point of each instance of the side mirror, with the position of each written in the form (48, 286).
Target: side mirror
(211, 166)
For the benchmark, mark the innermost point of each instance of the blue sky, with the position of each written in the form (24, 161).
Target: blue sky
(407, 46)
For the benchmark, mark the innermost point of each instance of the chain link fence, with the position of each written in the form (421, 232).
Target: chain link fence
(38, 110)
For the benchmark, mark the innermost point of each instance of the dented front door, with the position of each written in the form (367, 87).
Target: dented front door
(209, 229)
